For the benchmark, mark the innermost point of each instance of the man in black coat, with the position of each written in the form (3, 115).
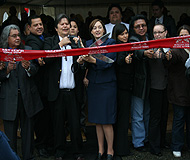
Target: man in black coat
(64, 79)
(42, 125)
(160, 18)
(35, 39)
(19, 97)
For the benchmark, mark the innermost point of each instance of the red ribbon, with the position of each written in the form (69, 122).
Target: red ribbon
(19, 55)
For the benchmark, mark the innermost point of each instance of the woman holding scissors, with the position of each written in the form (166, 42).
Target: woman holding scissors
(101, 91)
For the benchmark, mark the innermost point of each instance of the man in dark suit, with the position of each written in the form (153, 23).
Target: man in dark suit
(36, 32)
(64, 79)
(19, 97)
(160, 18)
(42, 125)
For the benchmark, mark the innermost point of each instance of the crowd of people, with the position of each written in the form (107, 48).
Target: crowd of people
(47, 96)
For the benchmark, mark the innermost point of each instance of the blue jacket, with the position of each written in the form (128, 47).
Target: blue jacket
(6, 152)
(102, 72)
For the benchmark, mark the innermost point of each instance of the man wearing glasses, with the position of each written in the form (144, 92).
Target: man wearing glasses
(140, 104)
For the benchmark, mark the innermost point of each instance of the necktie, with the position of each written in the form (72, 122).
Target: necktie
(41, 37)
(157, 21)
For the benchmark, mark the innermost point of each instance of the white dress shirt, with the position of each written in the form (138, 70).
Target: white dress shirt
(159, 20)
(109, 28)
(67, 76)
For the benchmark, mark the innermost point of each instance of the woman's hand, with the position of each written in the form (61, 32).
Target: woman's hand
(41, 61)
(89, 58)
(80, 60)
(168, 55)
(11, 66)
(128, 59)
(149, 53)
(25, 64)
(2, 65)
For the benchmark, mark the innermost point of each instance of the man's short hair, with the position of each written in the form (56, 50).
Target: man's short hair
(32, 17)
(59, 17)
(113, 5)
(158, 3)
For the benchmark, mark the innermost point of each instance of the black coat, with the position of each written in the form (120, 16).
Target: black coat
(141, 85)
(35, 42)
(41, 78)
(9, 92)
(54, 70)
(124, 72)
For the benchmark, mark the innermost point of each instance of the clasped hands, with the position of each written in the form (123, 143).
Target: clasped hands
(150, 54)
(12, 65)
(2, 65)
(87, 58)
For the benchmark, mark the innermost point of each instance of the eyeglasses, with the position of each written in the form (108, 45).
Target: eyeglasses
(159, 32)
(181, 35)
(139, 26)
(15, 35)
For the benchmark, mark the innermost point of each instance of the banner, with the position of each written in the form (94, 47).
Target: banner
(19, 54)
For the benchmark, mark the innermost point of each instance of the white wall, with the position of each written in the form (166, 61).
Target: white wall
(175, 10)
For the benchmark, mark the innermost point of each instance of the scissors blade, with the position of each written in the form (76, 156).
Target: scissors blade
(98, 43)
(103, 58)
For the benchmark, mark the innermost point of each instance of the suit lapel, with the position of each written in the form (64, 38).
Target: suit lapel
(57, 39)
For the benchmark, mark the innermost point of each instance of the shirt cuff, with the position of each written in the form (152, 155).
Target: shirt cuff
(28, 72)
(8, 75)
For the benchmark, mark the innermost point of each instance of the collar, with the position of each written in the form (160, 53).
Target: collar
(161, 19)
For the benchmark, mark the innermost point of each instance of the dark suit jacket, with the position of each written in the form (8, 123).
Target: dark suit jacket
(41, 78)
(9, 92)
(168, 22)
(34, 41)
(54, 69)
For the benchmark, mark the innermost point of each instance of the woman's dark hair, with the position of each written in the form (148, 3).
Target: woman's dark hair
(117, 30)
(59, 17)
(185, 27)
(92, 24)
(74, 20)
(131, 25)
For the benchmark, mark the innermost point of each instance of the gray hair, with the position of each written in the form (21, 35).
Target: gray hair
(5, 34)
